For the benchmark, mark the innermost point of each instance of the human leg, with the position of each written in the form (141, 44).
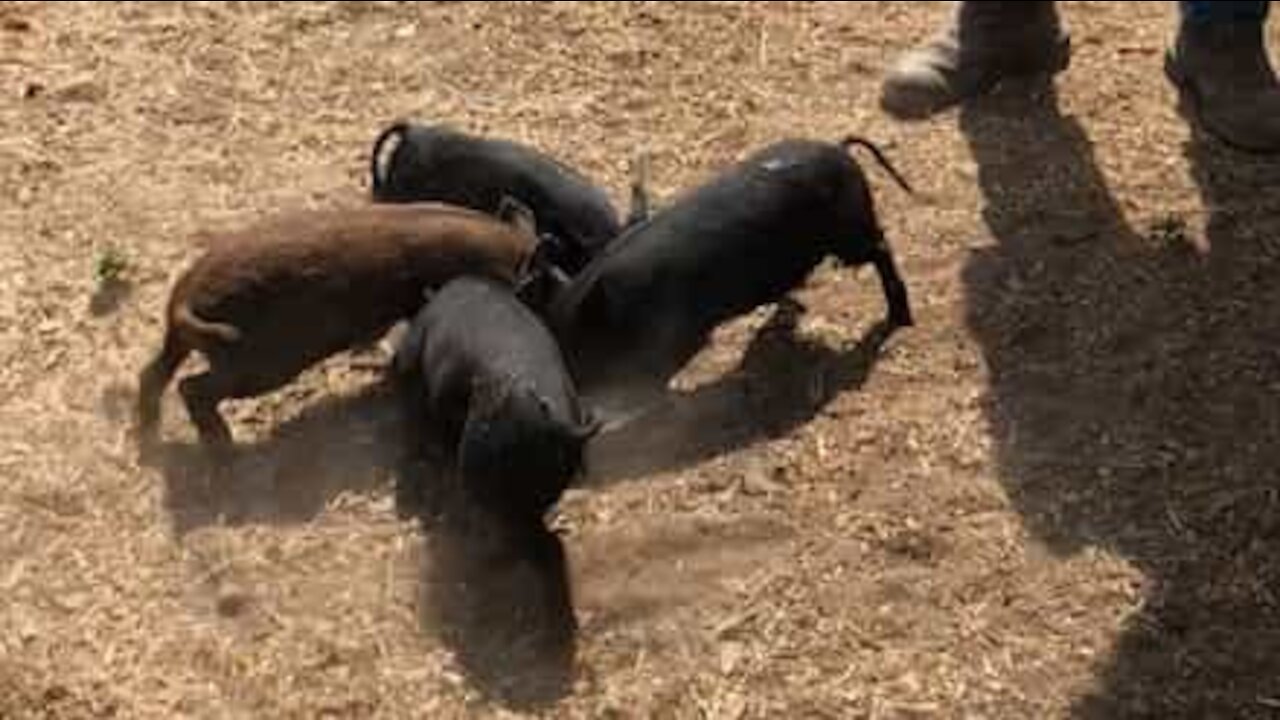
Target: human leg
(1219, 63)
(984, 43)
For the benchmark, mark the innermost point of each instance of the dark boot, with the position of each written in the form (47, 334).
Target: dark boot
(985, 43)
(1227, 82)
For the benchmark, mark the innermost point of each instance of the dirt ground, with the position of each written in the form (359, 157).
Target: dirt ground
(1055, 497)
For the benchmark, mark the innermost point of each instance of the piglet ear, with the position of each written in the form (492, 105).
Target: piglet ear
(514, 212)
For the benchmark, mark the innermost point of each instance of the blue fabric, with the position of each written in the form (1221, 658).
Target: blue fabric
(1219, 10)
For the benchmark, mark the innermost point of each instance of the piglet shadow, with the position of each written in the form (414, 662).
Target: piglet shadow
(782, 382)
(501, 601)
(346, 444)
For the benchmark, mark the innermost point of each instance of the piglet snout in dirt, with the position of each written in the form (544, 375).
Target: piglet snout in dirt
(485, 375)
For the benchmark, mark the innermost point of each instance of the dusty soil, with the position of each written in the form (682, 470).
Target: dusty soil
(1056, 497)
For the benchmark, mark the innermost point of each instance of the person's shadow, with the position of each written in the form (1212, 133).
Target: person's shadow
(1133, 399)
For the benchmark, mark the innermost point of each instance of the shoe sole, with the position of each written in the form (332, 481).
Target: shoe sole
(1190, 107)
(915, 105)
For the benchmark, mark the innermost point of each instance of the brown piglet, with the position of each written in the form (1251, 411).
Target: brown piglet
(266, 302)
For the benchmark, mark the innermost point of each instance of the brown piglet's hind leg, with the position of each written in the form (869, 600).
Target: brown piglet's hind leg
(202, 393)
(152, 381)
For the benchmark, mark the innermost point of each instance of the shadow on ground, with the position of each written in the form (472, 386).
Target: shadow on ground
(1134, 400)
(348, 443)
(356, 443)
(782, 382)
(500, 598)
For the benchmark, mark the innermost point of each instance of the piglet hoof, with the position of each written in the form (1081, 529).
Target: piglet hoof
(901, 317)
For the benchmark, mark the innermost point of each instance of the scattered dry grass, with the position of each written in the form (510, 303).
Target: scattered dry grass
(1056, 497)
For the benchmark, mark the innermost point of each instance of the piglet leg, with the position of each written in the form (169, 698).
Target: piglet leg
(895, 290)
(201, 394)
